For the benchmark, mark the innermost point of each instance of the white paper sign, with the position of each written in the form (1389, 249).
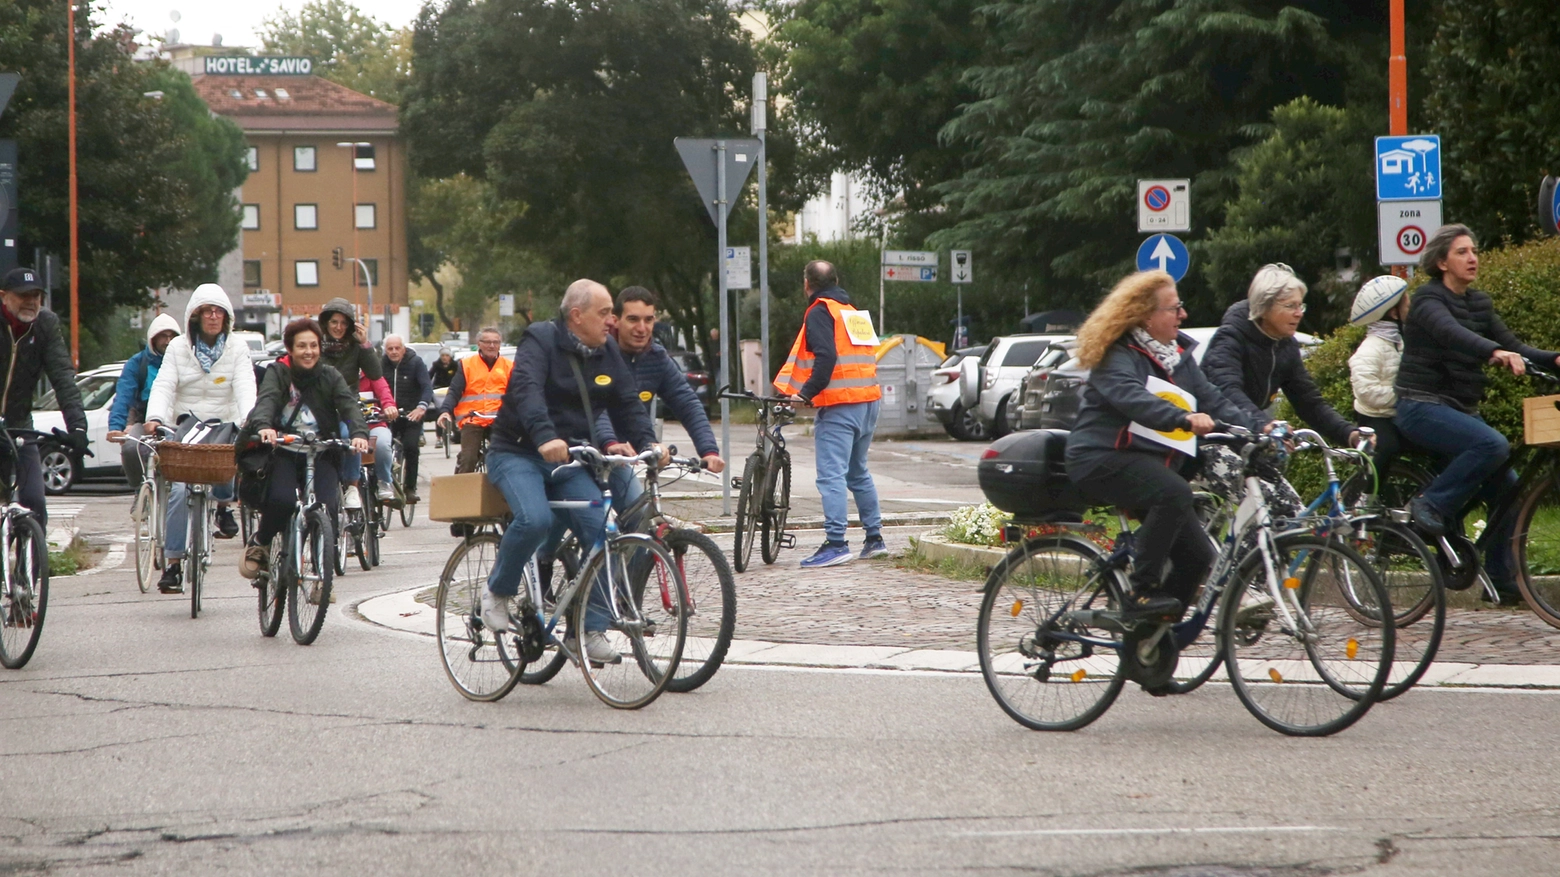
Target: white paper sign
(1179, 439)
(858, 326)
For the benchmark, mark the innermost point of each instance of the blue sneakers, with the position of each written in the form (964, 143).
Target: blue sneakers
(829, 554)
(874, 547)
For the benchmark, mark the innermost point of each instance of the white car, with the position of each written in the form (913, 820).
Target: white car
(61, 468)
(992, 386)
(942, 400)
(252, 340)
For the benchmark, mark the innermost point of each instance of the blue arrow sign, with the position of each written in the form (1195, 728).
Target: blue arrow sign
(1408, 168)
(1554, 207)
(1164, 252)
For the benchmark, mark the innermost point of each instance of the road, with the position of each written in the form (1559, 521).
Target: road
(141, 741)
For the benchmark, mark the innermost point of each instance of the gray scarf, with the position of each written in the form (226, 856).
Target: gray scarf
(1388, 330)
(1169, 355)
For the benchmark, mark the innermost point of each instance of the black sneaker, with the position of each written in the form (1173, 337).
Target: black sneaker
(172, 581)
(1426, 518)
(227, 528)
(1150, 606)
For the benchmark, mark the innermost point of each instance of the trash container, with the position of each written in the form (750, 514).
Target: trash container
(904, 369)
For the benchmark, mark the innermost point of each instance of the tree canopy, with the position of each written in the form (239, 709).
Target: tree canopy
(349, 47)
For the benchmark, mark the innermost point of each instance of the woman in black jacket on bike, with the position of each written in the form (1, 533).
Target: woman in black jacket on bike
(1131, 337)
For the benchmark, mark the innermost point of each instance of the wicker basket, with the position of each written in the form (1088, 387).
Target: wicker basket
(196, 464)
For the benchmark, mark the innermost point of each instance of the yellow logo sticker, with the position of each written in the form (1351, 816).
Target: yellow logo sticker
(603, 380)
(1180, 402)
(218, 380)
(645, 395)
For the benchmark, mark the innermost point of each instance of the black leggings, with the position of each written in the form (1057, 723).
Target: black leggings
(1391, 444)
(285, 491)
(1161, 498)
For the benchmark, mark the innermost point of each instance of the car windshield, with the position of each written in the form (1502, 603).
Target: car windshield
(1024, 353)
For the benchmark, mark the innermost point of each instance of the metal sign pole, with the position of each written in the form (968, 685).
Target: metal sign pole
(760, 126)
(723, 380)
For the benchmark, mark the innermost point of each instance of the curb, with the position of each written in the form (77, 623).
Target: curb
(935, 546)
(901, 519)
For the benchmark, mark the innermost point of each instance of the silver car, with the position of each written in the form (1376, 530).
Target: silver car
(992, 386)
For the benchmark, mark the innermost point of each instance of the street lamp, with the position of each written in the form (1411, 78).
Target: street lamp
(367, 280)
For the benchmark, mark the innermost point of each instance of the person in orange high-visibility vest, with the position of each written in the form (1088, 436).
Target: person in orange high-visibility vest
(474, 395)
(833, 367)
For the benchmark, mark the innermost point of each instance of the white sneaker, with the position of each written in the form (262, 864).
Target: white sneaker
(353, 501)
(495, 612)
(599, 650)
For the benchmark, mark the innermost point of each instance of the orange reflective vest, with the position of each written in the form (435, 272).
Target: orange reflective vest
(484, 387)
(854, 378)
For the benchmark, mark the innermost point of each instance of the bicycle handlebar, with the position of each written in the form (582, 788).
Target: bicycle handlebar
(749, 397)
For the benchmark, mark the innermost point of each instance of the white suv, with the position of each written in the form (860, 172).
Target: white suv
(992, 387)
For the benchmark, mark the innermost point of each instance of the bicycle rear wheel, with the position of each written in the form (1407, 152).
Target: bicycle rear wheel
(647, 634)
(1309, 668)
(362, 524)
(712, 607)
(308, 591)
(1411, 573)
(375, 527)
(747, 524)
(776, 505)
(481, 665)
(272, 590)
(1537, 548)
(1037, 597)
(24, 605)
(143, 514)
(196, 558)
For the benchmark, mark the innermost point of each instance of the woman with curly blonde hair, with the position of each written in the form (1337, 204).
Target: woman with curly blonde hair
(1132, 336)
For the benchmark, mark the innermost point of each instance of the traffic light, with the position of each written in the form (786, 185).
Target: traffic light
(336, 258)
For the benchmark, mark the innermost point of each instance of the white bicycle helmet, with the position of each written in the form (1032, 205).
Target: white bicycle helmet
(1376, 297)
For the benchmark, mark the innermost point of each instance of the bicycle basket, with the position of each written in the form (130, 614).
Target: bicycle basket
(196, 464)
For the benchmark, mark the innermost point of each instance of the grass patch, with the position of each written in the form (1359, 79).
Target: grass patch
(71, 559)
(947, 567)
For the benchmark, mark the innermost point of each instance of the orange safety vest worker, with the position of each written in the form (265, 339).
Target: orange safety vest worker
(854, 378)
(484, 388)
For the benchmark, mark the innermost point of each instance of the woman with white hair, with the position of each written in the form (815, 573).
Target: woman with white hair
(1254, 355)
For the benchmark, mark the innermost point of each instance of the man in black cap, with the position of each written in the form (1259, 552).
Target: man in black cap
(30, 345)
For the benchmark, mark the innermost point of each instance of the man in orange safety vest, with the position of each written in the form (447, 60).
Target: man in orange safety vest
(474, 395)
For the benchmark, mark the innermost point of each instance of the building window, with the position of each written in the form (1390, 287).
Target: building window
(252, 272)
(364, 216)
(260, 93)
(252, 158)
(373, 272)
(363, 156)
(251, 219)
(303, 159)
(281, 94)
(306, 272)
(306, 217)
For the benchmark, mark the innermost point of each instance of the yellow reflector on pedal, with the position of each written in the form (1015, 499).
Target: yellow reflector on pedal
(1018, 606)
(1275, 675)
(1078, 675)
(1292, 583)
(1352, 649)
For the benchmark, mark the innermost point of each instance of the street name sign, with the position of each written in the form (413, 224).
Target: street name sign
(1164, 252)
(1164, 205)
(1403, 228)
(910, 257)
(1408, 168)
(739, 267)
(963, 266)
(911, 273)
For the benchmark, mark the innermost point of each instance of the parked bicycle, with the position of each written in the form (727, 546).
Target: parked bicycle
(24, 561)
(298, 575)
(764, 490)
(635, 576)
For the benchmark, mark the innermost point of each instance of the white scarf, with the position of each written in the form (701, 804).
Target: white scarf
(1169, 355)
(1387, 329)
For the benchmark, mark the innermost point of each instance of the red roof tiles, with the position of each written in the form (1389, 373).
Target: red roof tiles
(311, 103)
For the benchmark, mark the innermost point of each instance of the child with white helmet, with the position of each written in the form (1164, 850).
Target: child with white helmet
(1380, 306)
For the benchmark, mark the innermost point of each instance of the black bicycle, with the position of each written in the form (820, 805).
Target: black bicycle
(764, 490)
(25, 576)
(298, 575)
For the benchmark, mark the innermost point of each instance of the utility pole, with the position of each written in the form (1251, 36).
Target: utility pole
(723, 205)
(760, 128)
(75, 238)
(1397, 84)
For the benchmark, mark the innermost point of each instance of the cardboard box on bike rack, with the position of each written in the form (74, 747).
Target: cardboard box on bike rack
(464, 498)
(1026, 474)
(1541, 421)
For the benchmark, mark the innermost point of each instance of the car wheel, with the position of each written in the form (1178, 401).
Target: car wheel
(1000, 426)
(965, 424)
(1012, 414)
(59, 470)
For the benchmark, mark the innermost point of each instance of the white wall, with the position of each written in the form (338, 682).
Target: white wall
(832, 216)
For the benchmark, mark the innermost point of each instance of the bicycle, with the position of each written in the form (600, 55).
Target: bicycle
(1055, 651)
(148, 513)
(199, 467)
(764, 495)
(711, 589)
(299, 572)
(24, 573)
(405, 505)
(644, 596)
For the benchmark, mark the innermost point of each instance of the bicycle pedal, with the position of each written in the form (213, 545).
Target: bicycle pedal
(787, 540)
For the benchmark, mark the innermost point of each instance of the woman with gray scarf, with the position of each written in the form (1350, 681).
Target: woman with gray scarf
(1379, 306)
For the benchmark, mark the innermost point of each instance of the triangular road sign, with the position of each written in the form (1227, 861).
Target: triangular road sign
(698, 155)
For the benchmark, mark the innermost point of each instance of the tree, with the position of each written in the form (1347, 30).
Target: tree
(1492, 99)
(349, 47)
(156, 176)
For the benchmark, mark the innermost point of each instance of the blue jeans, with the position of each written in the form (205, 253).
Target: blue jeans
(842, 434)
(527, 483)
(178, 520)
(1470, 452)
(352, 462)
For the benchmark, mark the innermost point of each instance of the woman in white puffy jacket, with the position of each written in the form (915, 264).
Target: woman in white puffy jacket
(206, 377)
(1380, 306)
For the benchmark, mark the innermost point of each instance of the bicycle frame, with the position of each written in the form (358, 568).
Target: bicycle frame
(309, 450)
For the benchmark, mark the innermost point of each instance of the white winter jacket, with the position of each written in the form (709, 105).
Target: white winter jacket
(226, 393)
(1373, 370)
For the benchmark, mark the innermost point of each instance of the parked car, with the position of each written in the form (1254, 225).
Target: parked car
(992, 386)
(943, 402)
(254, 341)
(1033, 389)
(61, 466)
(699, 378)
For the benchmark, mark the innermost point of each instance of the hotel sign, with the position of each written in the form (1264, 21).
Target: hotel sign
(245, 65)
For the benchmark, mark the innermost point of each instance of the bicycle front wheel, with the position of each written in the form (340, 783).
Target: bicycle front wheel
(1307, 667)
(1537, 548)
(343, 537)
(143, 514)
(376, 526)
(481, 665)
(712, 607)
(309, 589)
(272, 588)
(1411, 573)
(24, 604)
(747, 523)
(632, 597)
(777, 503)
(1045, 662)
(195, 560)
(363, 525)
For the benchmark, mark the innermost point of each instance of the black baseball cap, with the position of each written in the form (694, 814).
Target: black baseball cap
(22, 280)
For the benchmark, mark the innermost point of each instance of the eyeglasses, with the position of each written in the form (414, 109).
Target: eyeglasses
(1296, 308)
(1178, 307)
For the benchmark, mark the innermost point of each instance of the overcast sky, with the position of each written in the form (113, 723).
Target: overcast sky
(236, 21)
